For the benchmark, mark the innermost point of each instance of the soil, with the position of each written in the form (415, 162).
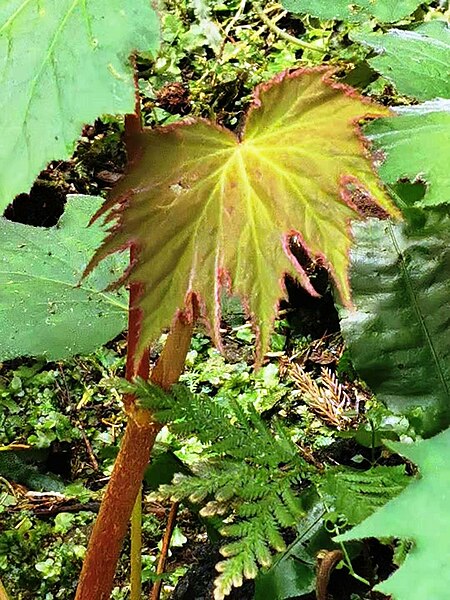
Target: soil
(198, 583)
(98, 163)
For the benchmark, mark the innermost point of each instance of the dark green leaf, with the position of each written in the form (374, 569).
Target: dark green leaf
(399, 334)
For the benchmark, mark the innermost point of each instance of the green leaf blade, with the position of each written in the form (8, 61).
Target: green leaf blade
(399, 334)
(409, 143)
(417, 62)
(386, 11)
(79, 69)
(221, 209)
(45, 311)
(420, 514)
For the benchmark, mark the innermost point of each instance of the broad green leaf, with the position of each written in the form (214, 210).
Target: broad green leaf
(292, 574)
(386, 11)
(44, 310)
(291, 577)
(64, 63)
(399, 335)
(209, 209)
(420, 514)
(416, 146)
(417, 62)
(356, 494)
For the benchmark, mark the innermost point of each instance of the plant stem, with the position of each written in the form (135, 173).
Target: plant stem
(97, 575)
(281, 33)
(156, 591)
(348, 564)
(99, 566)
(136, 549)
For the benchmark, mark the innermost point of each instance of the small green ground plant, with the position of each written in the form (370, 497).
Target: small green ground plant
(202, 210)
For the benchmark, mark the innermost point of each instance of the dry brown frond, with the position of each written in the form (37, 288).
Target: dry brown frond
(326, 397)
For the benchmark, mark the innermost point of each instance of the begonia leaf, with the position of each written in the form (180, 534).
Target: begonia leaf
(416, 146)
(386, 11)
(418, 514)
(399, 334)
(208, 208)
(44, 310)
(417, 62)
(63, 63)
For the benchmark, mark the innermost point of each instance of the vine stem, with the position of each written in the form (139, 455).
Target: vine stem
(281, 33)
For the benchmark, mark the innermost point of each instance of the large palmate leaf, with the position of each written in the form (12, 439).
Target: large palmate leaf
(416, 62)
(208, 208)
(420, 514)
(386, 11)
(399, 335)
(64, 63)
(416, 146)
(44, 310)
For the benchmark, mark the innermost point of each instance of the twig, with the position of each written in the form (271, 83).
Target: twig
(87, 443)
(156, 591)
(54, 509)
(9, 486)
(283, 34)
(326, 566)
(235, 19)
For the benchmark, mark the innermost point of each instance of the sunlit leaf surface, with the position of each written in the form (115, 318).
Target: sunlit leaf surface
(416, 146)
(417, 62)
(386, 11)
(44, 310)
(208, 208)
(419, 514)
(63, 63)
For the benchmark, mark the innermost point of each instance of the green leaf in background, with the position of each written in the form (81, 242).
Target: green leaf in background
(399, 334)
(43, 308)
(386, 11)
(291, 577)
(416, 146)
(357, 494)
(292, 574)
(417, 62)
(64, 63)
(421, 514)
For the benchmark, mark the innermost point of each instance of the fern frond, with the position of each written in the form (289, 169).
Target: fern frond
(357, 494)
(249, 475)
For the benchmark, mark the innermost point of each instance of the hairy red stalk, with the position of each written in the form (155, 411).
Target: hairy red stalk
(105, 544)
(97, 576)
